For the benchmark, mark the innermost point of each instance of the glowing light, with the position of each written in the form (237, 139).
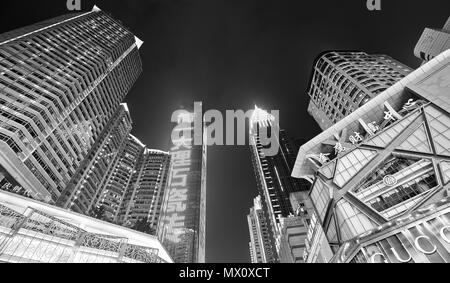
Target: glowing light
(261, 117)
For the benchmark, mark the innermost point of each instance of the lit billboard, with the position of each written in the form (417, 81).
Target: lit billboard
(422, 236)
(182, 225)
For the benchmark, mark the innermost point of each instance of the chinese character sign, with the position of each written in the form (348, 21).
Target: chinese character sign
(180, 222)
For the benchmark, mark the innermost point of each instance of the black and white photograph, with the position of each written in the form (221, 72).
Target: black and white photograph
(240, 135)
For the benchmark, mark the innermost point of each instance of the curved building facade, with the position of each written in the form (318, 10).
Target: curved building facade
(368, 176)
(343, 81)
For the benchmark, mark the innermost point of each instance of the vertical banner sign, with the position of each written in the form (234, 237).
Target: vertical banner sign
(181, 216)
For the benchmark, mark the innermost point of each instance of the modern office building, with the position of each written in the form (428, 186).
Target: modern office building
(262, 244)
(432, 42)
(36, 232)
(62, 82)
(387, 160)
(183, 217)
(343, 81)
(273, 173)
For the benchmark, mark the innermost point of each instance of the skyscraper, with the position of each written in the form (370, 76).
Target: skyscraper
(273, 173)
(144, 196)
(124, 183)
(62, 83)
(262, 244)
(343, 81)
(65, 135)
(370, 181)
(183, 217)
(95, 172)
(432, 42)
(119, 181)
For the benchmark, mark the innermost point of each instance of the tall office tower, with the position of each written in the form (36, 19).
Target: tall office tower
(144, 196)
(262, 244)
(341, 82)
(382, 174)
(273, 173)
(62, 81)
(433, 42)
(183, 218)
(35, 232)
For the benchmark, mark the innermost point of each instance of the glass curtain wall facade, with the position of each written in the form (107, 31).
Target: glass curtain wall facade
(273, 173)
(397, 166)
(342, 81)
(183, 217)
(62, 82)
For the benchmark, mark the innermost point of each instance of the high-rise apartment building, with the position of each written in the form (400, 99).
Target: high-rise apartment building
(343, 81)
(383, 166)
(124, 183)
(432, 42)
(273, 173)
(144, 197)
(62, 82)
(183, 217)
(118, 182)
(262, 244)
(95, 172)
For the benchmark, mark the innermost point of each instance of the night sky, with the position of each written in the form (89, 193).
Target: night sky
(235, 54)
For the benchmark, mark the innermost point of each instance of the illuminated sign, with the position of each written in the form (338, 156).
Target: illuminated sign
(9, 184)
(420, 243)
(181, 225)
(422, 236)
(178, 191)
